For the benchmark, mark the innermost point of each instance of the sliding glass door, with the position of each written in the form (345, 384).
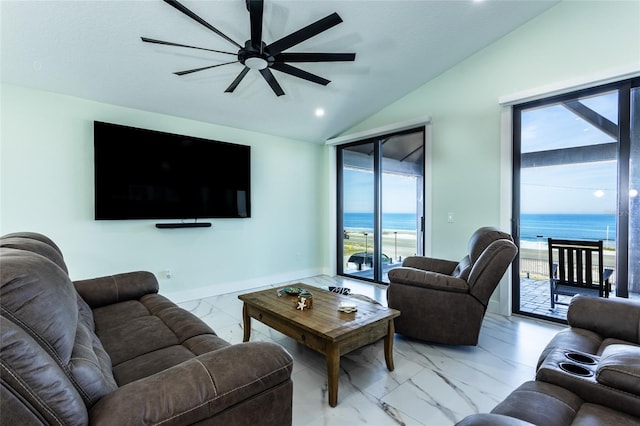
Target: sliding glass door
(380, 203)
(574, 178)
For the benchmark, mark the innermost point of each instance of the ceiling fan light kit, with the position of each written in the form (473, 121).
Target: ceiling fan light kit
(256, 63)
(257, 55)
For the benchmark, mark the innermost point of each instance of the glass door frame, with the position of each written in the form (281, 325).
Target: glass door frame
(377, 142)
(623, 202)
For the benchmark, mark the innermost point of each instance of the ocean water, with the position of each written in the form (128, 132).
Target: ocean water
(533, 227)
(539, 227)
(390, 221)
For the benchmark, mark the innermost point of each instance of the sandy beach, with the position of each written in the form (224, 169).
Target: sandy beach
(395, 245)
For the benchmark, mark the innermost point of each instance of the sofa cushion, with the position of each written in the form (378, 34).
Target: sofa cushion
(595, 414)
(117, 288)
(91, 365)
(427, 279)
(619, 368)
(35, 243)
(38, 296)
(151, 334)
(36, 379)
(617, 318)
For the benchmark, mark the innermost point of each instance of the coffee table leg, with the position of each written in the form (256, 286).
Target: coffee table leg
(333, 372)
(246, 321)
(388, 346)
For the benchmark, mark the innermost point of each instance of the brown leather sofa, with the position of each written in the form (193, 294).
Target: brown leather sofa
(588, 374)
(111, 350)
(444, 301)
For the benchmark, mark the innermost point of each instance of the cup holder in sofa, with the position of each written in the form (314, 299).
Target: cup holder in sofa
(576, 369)
(580, 358)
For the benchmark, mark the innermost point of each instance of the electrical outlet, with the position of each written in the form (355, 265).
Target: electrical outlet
(451, 217)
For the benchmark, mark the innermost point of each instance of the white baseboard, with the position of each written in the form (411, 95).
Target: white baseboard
(232, 287)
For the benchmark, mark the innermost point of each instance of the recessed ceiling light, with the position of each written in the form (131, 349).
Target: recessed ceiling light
(319, 112)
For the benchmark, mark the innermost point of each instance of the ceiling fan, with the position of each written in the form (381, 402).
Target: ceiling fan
(256, 54)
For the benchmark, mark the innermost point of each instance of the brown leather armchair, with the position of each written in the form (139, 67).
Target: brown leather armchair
(444, 301)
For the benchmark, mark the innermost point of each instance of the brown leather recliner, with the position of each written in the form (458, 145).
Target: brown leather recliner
(444, 301)
(111, 350)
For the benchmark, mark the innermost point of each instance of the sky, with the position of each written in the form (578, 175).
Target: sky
(576, 188)
(399, 192)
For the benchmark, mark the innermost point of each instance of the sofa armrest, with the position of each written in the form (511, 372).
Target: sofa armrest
(197, 389)
(427, 279)
(619, 368)
(615, 318)
(430, 264)
(111, 289)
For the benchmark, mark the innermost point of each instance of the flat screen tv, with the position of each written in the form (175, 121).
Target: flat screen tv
(147, 174)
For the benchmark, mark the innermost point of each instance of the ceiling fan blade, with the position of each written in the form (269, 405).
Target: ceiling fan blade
(297, 72)
(198, 19)
(237, 81)
(266, 73)
(314, 57)
(256, 8)
(304, 33)
(168, 43)
(203, 68)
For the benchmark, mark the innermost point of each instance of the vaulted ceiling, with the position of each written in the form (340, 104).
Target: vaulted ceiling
(93, 50)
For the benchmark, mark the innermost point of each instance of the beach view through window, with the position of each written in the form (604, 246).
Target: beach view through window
(568, 180)
(382, 187)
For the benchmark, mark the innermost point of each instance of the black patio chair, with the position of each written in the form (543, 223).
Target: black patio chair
(576, 267)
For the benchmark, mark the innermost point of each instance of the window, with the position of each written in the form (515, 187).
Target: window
(574, 178)
(380, 203)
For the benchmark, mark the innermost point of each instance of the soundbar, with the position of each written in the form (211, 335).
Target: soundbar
(183, 225)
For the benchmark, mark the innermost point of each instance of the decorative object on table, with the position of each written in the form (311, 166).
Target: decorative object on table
(340, 290)
(305, 300)
(347, 307)
(293, 291)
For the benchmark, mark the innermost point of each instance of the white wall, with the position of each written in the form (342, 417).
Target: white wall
(46, 162)
(574, 41)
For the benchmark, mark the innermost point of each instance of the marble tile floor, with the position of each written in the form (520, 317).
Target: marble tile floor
(431, 385)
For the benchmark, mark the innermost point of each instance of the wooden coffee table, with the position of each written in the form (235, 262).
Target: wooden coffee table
(323, 328)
